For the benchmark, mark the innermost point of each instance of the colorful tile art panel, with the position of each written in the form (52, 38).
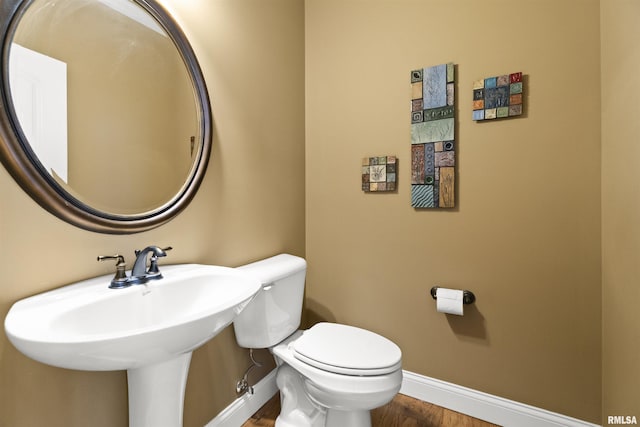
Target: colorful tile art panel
(433, 146)
(497, 97)
(379, 173)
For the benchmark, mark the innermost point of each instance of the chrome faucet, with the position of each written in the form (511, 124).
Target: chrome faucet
(140, 273)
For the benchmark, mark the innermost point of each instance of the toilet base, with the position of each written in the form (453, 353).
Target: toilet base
(337, 418)
(334, 418)
(298, 409)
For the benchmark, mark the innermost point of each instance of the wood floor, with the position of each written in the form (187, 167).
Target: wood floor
(403, 411)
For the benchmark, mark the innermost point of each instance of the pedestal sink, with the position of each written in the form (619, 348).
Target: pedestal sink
(149, 330)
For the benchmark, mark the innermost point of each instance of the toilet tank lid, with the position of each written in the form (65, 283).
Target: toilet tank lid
(272, 269)
(348, 347)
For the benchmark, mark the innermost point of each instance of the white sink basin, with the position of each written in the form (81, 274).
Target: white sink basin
(145, 329)
(88, 326)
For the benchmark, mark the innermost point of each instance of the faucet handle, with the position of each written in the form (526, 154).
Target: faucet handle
(157, 251)
(154, 271)
(120, 280)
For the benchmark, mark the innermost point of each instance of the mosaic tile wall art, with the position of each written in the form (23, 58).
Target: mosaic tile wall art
(497, 97)
(433, 146)
(379, 173)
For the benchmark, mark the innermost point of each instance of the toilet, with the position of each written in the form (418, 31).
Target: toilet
(329, 375)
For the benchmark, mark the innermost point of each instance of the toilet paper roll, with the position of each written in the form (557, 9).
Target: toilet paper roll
(449, 301)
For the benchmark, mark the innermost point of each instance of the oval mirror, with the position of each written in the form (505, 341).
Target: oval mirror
(105, 118)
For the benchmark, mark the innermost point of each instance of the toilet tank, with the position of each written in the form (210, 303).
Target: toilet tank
(275, 311)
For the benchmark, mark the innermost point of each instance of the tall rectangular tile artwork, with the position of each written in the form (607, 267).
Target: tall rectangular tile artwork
(433, 146)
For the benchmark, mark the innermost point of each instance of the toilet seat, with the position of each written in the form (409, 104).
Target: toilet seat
(347, 350)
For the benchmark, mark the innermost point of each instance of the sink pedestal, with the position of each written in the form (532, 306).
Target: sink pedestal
(156, 393)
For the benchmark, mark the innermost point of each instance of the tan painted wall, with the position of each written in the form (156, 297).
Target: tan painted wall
(250, 205)
(620, 207)
(525, 236)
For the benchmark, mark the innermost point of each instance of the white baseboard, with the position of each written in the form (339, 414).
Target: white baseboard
(477, 404)
(246, 405)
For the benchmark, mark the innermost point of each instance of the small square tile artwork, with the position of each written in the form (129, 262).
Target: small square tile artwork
(379, 173)
(433, 146)
(497, 97)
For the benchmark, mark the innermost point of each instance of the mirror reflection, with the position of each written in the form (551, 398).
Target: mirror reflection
(105, 101)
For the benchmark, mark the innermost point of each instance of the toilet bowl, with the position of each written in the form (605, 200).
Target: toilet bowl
(330, 375)
(325, 359)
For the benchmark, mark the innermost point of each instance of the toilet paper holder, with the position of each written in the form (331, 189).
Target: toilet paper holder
(467, 296)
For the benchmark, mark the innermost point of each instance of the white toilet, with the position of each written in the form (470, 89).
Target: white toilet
(329, 375)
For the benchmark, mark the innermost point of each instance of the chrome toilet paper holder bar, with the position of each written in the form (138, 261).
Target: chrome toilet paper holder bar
(467, 296)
